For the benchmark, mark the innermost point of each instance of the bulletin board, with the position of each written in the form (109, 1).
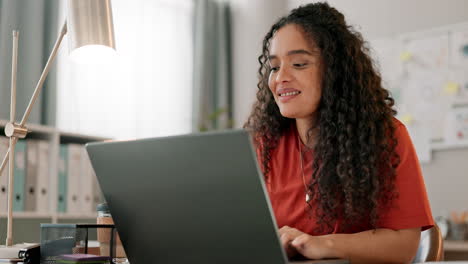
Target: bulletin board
(427, 74)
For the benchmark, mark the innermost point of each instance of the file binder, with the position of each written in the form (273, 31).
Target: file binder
(4, 144)
(20, 176)
(62, 179)
(74, 192)
(30, 192)
(43, 178)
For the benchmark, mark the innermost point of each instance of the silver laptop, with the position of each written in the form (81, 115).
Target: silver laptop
(197, 198)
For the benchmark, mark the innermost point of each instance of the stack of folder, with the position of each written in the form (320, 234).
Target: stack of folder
(77, 189)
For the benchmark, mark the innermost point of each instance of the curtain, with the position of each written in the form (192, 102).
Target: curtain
(36, 21)
(212, 84)
(147, 91)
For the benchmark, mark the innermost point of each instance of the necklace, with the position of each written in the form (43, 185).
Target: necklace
(306, 190)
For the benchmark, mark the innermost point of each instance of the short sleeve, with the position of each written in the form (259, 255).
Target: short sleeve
(411, 207)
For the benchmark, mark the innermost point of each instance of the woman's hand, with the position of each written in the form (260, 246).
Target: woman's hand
(295, 241)
(372, 246)
(287, 235)
(311, 247)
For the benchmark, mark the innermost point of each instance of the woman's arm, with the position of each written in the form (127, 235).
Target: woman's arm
(372, 246)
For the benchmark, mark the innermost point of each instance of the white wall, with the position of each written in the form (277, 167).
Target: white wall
(384, 18)
(447, 175)
(250, 22)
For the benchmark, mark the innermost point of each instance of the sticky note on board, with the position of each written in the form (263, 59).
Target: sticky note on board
(407, 119)
(451, 88)
(406, 56)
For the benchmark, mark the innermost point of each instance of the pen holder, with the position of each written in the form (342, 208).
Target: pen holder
(104, 217)
(64, 239)
(458, 231)
(103, 236)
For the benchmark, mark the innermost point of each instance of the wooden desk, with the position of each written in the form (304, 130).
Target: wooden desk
(323, 261)
(455, 250)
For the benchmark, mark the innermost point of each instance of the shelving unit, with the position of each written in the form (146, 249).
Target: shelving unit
(456, 250)
(55, 137)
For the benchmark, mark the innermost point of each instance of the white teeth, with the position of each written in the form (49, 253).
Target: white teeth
(290, 93)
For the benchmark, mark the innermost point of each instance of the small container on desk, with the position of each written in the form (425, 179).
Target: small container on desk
(104, 217)
(60, 240)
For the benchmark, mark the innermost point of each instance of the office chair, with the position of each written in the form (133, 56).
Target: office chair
(431, 246)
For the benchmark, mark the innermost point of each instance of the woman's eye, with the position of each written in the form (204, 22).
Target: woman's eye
(274, 69)
(300, 65)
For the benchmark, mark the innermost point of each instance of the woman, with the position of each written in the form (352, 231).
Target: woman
(342, 174)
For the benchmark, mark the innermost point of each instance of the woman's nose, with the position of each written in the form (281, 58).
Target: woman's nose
(284, 75)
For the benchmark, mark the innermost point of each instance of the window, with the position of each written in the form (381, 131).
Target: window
(147, 91)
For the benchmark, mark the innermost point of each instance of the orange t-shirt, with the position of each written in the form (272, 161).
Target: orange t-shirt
(286, 189)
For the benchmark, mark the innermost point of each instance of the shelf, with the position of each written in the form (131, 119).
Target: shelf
(448, 146)
(455, 245)
(76, 216)
(68, 137)
(38, 131)
(35, 215)
(35, 128)
(27, 215)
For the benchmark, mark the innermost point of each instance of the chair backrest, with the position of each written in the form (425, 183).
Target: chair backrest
(431, 246)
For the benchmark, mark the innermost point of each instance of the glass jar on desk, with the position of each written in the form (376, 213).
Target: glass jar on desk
(105, 218)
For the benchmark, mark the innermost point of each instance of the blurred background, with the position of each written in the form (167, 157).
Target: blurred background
(191, 65)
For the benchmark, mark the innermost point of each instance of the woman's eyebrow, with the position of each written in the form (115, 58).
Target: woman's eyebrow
(300, 51)
(292, 52)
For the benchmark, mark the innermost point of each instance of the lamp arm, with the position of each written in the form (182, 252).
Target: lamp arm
(14, 65)
(11, 149)
(11, 167)
(13, 130)
(5, 159)
(38, 88)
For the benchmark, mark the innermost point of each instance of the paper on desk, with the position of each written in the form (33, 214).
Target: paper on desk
(17, 260)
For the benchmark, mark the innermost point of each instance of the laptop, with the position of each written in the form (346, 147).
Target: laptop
(197, 198)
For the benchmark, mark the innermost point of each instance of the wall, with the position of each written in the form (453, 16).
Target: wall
(389, 17)
(447, 175)
(250, 22)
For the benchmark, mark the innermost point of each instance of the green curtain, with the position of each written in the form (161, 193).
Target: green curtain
(36, 21)
(212, 81)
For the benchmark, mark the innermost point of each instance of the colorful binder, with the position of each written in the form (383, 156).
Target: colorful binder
(62, 179)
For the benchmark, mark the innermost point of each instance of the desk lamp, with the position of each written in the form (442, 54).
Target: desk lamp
(90, 30)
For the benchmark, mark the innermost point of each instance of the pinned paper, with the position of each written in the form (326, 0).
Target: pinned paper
(406, 56)
(451, 88)
(407, 119)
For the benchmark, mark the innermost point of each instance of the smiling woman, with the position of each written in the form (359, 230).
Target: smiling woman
(292, 57)
(342, 174)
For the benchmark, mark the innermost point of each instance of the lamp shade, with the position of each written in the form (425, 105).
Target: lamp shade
(90, 23)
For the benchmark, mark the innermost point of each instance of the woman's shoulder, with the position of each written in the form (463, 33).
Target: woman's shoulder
(398, 124)
(405, 147)
(400, 132)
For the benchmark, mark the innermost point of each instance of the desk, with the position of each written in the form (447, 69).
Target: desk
(456, 250)
(322, 261)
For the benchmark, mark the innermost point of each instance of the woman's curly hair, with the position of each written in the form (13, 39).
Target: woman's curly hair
(354, 157)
